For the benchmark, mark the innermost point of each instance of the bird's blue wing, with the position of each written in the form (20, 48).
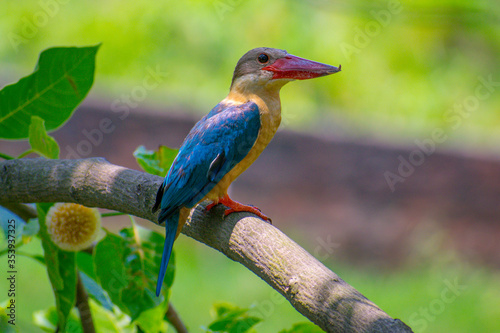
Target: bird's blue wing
(214, 146)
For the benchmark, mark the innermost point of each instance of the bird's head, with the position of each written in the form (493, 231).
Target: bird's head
(270, 69)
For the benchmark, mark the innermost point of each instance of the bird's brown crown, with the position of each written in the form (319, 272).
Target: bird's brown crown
(256, 59)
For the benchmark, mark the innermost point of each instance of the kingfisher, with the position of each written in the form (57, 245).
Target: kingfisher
(226, 141)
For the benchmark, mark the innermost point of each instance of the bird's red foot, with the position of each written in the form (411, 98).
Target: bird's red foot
(235, 207)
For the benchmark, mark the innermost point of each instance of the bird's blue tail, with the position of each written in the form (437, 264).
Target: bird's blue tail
(171, 230)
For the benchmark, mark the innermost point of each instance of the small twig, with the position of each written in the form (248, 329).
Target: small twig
(6, 157)
(89, 250)
(23, 211)
(112, 214)
(26, 153)
(175, 320)
(82, 303)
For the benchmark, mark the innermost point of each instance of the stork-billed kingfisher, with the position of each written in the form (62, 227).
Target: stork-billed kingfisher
(228, 139)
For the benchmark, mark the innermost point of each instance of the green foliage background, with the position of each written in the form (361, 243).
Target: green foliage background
(397, 84)
(217, 279)
(404, 66)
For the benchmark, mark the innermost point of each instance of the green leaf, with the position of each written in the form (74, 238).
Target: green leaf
(40, 141)
(31, 228)
(28, 231)
(228, 310)
(5, 317)
(244, 324)
(24, 235)
(9, 225)
(113, 321)
(127, 268)
(96, 292)
(85, 263)
(155, 162)
(47, 320)
(303, 328)
(23, 230)
(61, 80)
(145, 248)
(232, 319)
(152, 320)
(61, 267)
(109, 267)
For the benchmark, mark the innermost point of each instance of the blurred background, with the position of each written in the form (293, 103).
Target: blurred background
(388, 172)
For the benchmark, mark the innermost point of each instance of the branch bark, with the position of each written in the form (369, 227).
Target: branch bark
(175, 320)
(23, 211)
(82, 303)
(314, 290)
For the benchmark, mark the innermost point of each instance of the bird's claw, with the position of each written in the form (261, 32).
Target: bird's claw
(249, 209)
(210, 206)
(234, 207)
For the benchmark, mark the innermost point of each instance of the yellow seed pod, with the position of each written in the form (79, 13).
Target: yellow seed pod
(73, 227)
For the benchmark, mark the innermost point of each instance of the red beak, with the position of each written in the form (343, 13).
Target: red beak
(292, 67)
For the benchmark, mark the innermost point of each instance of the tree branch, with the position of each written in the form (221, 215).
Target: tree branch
(82, 303)
(314, 290)
(23, 211)
(175, 320)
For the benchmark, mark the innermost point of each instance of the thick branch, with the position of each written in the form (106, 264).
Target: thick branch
(314, 290)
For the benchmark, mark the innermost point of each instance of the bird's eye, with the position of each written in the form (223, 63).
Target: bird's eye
(263, 58)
